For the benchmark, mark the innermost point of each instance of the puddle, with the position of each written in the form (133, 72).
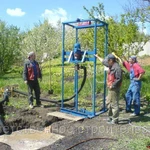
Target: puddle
(29, 139)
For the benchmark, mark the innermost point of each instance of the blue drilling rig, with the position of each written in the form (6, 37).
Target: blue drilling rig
(77, 57)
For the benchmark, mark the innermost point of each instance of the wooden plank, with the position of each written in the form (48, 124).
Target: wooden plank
(65, 116)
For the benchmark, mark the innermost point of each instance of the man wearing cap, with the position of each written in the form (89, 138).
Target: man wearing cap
(114, 80)
(31, 74)
(133, 92)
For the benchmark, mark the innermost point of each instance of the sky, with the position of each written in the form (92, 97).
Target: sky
(26, 13)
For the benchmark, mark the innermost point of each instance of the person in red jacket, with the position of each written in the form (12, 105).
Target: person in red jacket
(133, 92)
(31, 74)
(114, 80)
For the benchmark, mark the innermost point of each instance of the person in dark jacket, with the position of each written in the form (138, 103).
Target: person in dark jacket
(31, 73)
(114, 80)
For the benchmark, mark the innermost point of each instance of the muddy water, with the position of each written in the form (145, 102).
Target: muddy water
(29, 139)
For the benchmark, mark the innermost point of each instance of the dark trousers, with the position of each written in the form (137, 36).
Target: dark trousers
(34, 85)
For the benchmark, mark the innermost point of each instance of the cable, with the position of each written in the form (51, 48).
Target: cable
(42, 99)
(82, 84)
(58, 101)
(90, 140)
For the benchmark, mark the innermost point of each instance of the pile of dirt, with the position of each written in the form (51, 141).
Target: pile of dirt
(94, 133)
(85, 134)
(36, 118)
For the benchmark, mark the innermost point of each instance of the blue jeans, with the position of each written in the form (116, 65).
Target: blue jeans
(133, 94)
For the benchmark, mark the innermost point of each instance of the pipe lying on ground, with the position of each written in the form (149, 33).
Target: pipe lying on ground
(59, 101)
(42, 99)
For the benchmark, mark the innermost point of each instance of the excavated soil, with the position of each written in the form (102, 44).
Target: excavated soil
(86, 134)
(28, 118)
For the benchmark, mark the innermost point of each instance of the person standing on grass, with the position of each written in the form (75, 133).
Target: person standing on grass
(31, 73)
(114, 80)
(133, 92)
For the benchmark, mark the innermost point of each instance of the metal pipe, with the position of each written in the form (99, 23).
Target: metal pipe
(62, 80)
(105, 54)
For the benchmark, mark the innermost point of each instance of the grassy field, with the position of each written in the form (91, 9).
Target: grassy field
(52, 80)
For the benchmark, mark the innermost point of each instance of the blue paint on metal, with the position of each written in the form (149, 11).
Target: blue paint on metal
(94, 64)
(63, 49)
(81, 113)
(86, 55)
(76, 89)
(105, 54)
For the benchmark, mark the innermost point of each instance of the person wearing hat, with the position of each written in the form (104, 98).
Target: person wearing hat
(133, 92)
(31, 73)
(114, 80)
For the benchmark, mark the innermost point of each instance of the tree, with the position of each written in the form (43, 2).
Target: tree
(123, 32)
(9, 46)
(139, 10)
(43, 38)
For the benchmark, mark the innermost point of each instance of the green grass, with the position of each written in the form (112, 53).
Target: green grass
(15, 77)
(134, 143)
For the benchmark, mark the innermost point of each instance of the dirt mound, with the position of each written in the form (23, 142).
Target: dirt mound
(82, 141)
(94, 133)
(36, 118)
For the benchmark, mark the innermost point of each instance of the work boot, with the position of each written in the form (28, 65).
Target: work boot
(31, 106)
(113, 121)
(109, 120)
(40, 105)
(129, 111)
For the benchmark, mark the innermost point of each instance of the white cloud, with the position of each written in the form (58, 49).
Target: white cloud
(15, 12)
(54, 15)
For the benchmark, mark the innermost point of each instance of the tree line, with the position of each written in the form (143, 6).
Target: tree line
(124, 36)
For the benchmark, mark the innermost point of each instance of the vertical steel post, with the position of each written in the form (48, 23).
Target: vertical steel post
(105, 54)
(76, 79)
(76, 86)
(94, 71)
(63, 51)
